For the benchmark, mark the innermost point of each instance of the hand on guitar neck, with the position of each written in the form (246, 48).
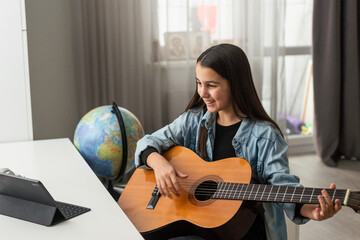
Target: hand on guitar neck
(166, 175)
(325, 209)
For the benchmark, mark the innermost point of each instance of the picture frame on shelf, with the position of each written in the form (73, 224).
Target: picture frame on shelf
(176, 45)
(199, 42)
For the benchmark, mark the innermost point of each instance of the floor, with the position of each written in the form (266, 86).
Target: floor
(313, 173)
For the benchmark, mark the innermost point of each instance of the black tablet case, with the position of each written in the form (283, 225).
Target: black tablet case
(28, 199)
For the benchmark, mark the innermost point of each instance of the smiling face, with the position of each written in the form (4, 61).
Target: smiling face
(214, 90)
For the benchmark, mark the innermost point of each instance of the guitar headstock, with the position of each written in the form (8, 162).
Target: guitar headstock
(354, 201)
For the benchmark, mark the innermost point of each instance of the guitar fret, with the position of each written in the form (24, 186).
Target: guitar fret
(235, 191)
(260, 192)
(250, 193)
(216, 194)
(298, 194)
(223, 186)
(317, 192)
(311, 195)
(245, 191)
(284, 193)
(293, 195)
(281, 193)
(263, 192)
(257, 192)
(270, 192)
(341, 194)
(231, 190)
(226, 190)
(277, 192)
(332, 199)
(306, 195)
(302, 194)
(288, 194)
(242, 186)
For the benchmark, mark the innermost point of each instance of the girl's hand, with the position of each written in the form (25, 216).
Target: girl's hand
(324, 210)
(166, 175)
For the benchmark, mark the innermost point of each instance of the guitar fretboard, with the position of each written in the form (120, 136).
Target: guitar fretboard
(271, 193)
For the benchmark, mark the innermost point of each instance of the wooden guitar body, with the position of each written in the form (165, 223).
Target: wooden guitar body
(208, 213)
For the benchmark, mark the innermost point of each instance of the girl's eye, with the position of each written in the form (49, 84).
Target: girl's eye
(211, 86)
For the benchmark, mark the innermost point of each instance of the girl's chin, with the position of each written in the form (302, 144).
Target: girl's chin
(211, 109)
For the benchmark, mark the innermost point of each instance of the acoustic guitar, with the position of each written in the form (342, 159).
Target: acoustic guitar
(212, 195)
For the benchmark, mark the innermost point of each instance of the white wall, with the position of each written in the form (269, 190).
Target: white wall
(15, 105)
(36, 43)
(51, 43)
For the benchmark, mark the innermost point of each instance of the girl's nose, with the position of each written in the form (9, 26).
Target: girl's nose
(202, 92)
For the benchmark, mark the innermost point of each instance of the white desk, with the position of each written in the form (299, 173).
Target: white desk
(66, 175)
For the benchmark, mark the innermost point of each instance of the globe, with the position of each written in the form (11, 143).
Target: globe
(98, 139)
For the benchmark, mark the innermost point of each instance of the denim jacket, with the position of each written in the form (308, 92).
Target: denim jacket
(258, 142)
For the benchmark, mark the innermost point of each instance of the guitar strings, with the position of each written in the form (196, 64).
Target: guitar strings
(204, 191)
(294, 198)
(252, 196)
(189, 183)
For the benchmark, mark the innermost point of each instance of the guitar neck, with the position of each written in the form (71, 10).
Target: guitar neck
(271, 193)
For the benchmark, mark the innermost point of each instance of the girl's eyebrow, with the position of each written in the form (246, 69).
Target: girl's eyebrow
(210, 81)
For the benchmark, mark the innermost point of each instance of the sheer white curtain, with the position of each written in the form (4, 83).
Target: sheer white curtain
(254, 25)
(142, 53)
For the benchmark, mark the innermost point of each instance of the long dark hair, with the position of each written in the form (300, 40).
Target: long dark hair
(231, 63)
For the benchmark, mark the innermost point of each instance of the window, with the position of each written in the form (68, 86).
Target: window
(184, 28)
(298, 66)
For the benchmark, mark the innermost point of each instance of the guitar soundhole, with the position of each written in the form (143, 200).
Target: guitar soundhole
(205, 190)
(201, 190)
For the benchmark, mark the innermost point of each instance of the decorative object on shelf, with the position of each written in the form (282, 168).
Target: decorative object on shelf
(176, 45)
(199, 42)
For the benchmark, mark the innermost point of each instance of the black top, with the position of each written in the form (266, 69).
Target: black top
(224, 135)
(223, 148)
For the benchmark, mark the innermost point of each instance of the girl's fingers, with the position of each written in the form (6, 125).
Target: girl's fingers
(176, 186)
(170, 186)
(337, 205)
(322, 203)
(327, 198)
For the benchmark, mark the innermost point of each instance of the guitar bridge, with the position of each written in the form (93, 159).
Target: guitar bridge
(155, 195)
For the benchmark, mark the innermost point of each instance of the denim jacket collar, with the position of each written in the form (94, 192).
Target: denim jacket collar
(209, 119)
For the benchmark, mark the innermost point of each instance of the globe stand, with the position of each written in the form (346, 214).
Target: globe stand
(110, 188)
(115, 188)
(109, 183)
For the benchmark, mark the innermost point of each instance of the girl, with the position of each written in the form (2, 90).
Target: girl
(224, 119)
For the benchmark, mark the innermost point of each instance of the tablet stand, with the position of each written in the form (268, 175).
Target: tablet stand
(28, 210)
